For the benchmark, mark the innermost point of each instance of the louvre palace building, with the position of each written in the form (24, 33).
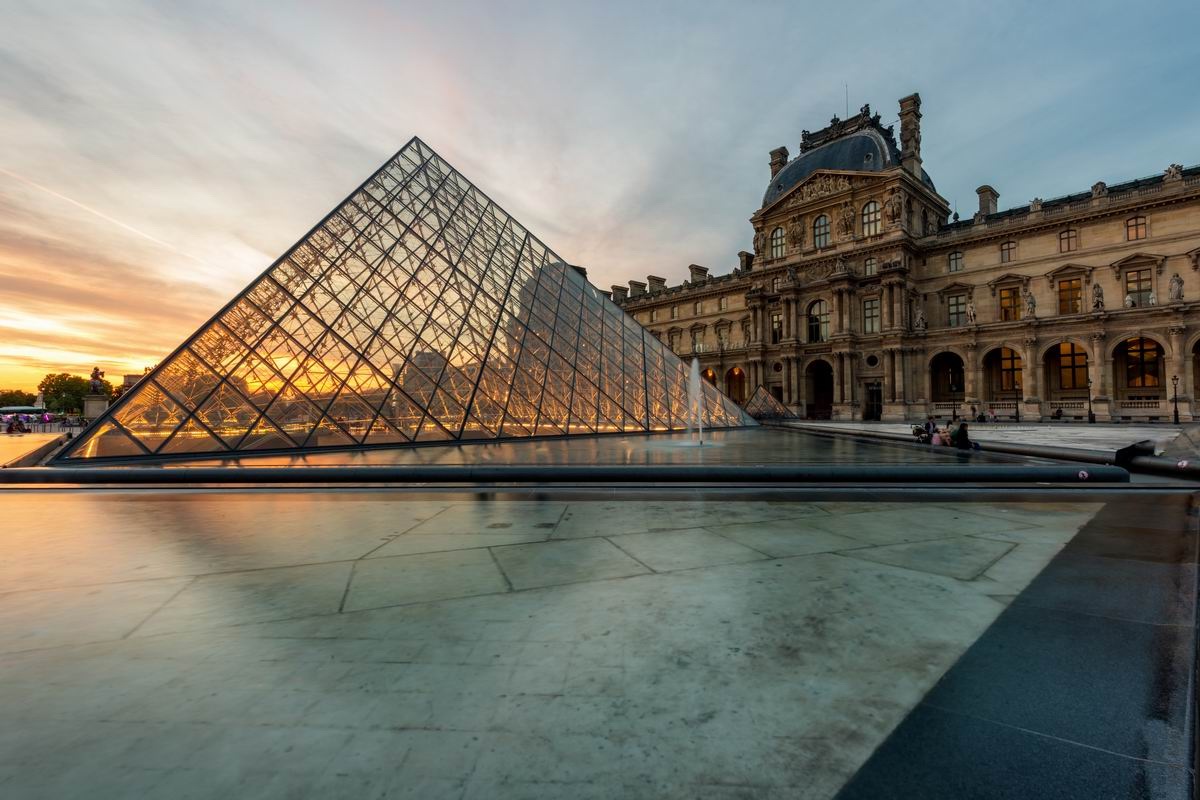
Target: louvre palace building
(863, 299)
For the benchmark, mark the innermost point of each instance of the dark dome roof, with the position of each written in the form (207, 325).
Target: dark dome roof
(865, 150)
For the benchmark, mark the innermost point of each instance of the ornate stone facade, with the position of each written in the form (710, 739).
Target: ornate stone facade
(875, 304)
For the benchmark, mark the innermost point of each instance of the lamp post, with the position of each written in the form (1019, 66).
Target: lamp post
(1175, 396)
(1017, 404)
(1091, 414)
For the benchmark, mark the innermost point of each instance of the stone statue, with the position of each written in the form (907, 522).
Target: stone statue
(920, 324)
(1175, 289)
(795, 232)
(894, 208)
(846, 220)
(1151, 300)
(791, 274)
(760, 239)
(1097, 297)
(971, 312)
(1099, 189)
(1030, 303)
(1129, 301)
(95, 382)
(1173, 173)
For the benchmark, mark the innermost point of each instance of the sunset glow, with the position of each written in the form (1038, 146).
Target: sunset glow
(154, 159)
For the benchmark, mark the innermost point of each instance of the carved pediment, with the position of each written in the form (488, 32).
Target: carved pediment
(958, 287)
(816, 186)
(1140, 259)
(1008, 279)
(1069, 270)
(1194, 255)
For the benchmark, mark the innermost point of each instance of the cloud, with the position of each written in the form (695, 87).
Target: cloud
(632, 137)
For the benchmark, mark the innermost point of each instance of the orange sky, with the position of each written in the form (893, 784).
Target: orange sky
(155, 157)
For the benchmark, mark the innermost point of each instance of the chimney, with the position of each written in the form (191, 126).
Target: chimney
(910, 134)
(636, 288)
(657, 284)
(745, 260)
(779, 157)
(988, 198)
(699, 273)
(619, 292)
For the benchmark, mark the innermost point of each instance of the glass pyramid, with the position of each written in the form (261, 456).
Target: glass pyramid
(417, 311)
(763, 405)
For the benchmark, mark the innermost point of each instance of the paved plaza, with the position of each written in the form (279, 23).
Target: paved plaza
(1059, 436)
(384, 644)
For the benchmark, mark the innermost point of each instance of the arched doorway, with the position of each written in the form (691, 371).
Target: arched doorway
(709, 375)
(1003, 375)
(819, 379)
(735, 385)
(946, 379)
(1066, 380)
(1139, 375)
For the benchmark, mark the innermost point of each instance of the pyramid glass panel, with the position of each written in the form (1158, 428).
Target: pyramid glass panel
(763, 405)
(417, 311)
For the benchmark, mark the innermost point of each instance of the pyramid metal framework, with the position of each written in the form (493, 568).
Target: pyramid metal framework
(417, 311)
(763, 405)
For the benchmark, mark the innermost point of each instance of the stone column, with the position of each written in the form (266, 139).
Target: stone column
(1178, 365)
(971, 376)
(901, 390)
(837, 378)
(886, 302)
(889, 365)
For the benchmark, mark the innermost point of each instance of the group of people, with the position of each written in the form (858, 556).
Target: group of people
(19, 423)
(16, 425)
(958, 437)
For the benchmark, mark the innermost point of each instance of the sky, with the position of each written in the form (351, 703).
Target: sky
(156, 156)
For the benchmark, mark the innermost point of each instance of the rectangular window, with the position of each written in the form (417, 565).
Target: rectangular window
(722, 338)
(1068, 241)
(1135, 228)
(870, 266)
(955, 262)
(1141, 364)
(1137, 287)
(821, 231)
(1010, 370)
(1070, 296)
(775, 284)
(674, 312)
(723, 304)
(654, 315)
(956, 310)
(695, 341)
(1008, 252)
(697, 308)
(871, 315)
(1072, 367)
(1010, 304)
(776, 328)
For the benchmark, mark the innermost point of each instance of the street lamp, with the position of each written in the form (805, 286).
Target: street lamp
(1091, 414)
(1175, 396)
(1017, 404)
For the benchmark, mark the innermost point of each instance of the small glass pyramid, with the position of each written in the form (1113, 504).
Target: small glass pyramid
(763, 405)
(417, 311)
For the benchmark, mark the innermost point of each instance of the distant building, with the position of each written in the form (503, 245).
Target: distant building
(862, 299)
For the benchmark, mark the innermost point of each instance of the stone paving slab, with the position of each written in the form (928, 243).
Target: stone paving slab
(766, 657)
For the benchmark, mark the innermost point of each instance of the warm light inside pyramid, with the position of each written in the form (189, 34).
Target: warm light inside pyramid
(417, 311)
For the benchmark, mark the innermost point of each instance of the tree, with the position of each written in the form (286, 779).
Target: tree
(16, 397)
(64, 392)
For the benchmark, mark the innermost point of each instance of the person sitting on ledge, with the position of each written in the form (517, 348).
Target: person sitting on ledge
(1057, 414)
(960, 438)
(991, 415)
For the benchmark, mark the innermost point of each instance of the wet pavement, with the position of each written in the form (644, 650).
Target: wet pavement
(271, 643)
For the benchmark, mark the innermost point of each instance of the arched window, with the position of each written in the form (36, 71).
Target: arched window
(870, 266)
(777, 243)
(821, 231)
(818, 321)
(1142, 358)
(1135, 228)
(1068, 241)
(870, 219)
(1008, 252)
